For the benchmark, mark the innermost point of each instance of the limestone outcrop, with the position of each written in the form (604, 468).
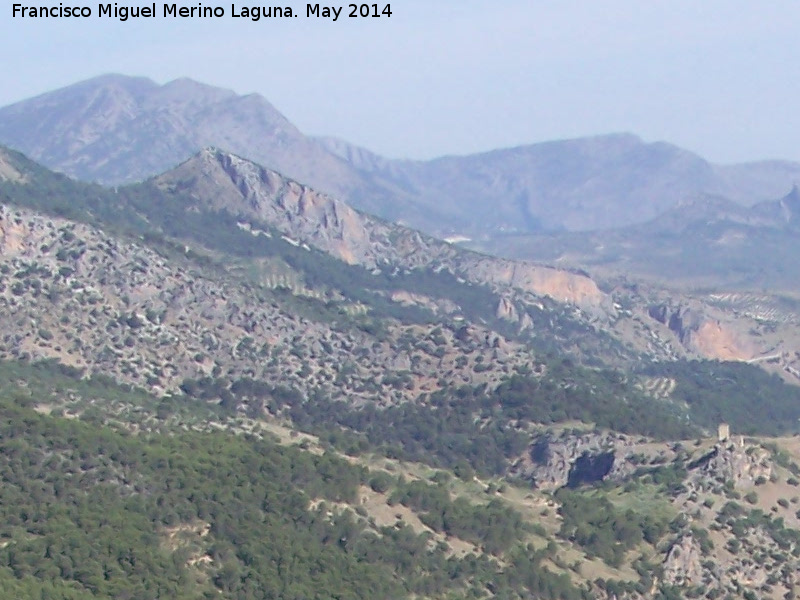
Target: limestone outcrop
(226, 182)
(683, 565)
(552, 462)
(737, 463)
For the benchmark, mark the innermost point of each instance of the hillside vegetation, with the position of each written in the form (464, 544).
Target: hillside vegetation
(202, 401)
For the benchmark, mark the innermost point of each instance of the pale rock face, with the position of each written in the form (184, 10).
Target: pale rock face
(227, 182)
(506, 310)
(713, 340)
(702, 334)
(9, 172)
(560, 285)
(12, 234)
(740, 464)
(436, 305)
(550, 462)
(683, 565)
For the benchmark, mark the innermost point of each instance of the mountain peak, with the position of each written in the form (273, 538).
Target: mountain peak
(210, 153)
(222, 181)
(189, 91)
(234, 166)
(226, 181)
(118, 129)
(136, 87)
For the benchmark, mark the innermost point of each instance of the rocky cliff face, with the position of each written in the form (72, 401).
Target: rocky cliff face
(736, 463)
(227, 182)
(564, 286)
(702, 334)
(682, 566)
(553, 462)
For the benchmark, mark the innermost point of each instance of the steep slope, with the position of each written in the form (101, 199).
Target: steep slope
(185, 310)
(72, 293)
(717, 328)
(284, 234)
(408, 309)
(578, 184)
(781, 213)
(722, 276)
(229, 312)
(417, 276)
(194, 504)
(8, 170)
(228, 183)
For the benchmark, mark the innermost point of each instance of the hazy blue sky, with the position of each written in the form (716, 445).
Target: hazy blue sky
(720, 77)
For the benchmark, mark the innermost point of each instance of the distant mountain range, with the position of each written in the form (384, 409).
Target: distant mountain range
(709, 242)
(116, 129)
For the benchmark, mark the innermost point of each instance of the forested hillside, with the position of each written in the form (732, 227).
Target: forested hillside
(247, 392)
(92, 511)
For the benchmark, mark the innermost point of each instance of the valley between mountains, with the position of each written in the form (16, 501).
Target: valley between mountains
(220, 382)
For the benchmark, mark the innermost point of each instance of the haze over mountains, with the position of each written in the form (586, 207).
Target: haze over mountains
(223, 382)
(651, 210)
(116, 129)
(709, 242)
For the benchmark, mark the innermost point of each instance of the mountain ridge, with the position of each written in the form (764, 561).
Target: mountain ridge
(243, 209)
(161, 122)
(352, 236)
(118, 129)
